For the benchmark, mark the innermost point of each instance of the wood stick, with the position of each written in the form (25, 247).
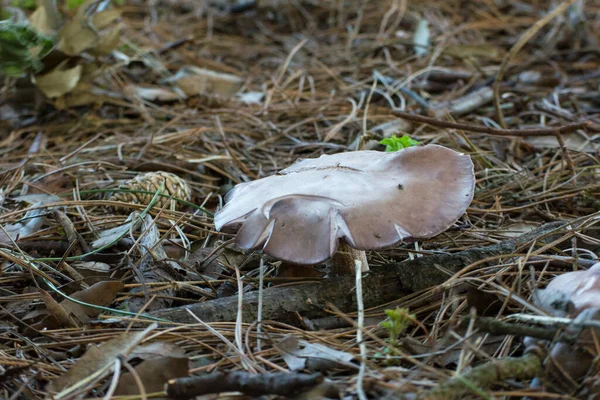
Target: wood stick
(559, 130)
(381, 285)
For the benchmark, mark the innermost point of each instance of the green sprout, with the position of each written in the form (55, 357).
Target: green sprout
(396, 323)
(394, 143)
(22, 49)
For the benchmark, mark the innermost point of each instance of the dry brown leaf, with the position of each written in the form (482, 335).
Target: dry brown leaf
(57, 310)
(32, 222)
(108, 41)
(46, 18)
(153, 373)
(52, 184)
(39, 20)
(299, 354)
(99, 294)
(156, 94)
(199, 81)
(99, 358)
(77, 35)
(573, 141)
(156, 350)
(60, 81)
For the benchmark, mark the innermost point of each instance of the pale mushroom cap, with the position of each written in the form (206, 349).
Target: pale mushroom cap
(370, 199)
(581, 288)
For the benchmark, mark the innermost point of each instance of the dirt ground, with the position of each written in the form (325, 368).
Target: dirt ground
(108, 193)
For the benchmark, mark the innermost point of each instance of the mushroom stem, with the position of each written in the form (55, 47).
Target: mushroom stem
(342, 262)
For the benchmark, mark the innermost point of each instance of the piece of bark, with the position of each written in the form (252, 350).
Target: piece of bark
(381, 285)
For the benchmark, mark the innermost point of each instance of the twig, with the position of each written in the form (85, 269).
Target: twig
(559, 130)
(279, 383)
(498, 327)
(381, 285)
(359, 336)
(486, 375)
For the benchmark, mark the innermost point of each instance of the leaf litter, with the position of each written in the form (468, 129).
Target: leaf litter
(219, 95)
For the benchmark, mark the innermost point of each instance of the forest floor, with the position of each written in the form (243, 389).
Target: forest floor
(86, 214)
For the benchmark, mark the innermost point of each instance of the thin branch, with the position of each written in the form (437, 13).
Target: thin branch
(559, 130)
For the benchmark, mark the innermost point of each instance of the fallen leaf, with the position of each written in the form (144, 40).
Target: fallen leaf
(108, 41)
(154, 374)
(157, 350)
(70, 314)
(156, 94)
(39, 20)
(99, 359)
(99, 294)
(199, 81)
(57, 310)
(52, 184)
(31, 222)
(60, 81)
(111, 235)
(299, 354)
(77, 35)
(573, 141)
(516, 229)
(46, 18)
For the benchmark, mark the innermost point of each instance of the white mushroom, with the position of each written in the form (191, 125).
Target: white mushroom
(367, 199)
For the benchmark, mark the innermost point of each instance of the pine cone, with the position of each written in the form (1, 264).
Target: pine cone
(151, 182)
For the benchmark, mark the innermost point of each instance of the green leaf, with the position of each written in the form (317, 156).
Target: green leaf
(22, 49)
(73, 4)
(25, 4)
(394, 143)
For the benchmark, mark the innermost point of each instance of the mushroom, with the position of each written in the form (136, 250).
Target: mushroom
(366, 200)
(571, 293)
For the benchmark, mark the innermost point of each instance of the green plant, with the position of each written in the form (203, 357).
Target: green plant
(398, 320)
(26, 4)
(22, 49)
(394, 143)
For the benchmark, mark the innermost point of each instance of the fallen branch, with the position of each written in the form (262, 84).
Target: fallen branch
(498, 327)
(278, 383)
(559, 130)
(380, 285)
(482, 377)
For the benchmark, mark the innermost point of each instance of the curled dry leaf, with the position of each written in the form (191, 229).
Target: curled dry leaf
(60, 81)
(32, 222)
(99, 358)
(85, 31)
(44, 20)
(156, 350)
(72, 314)
(156, 94)
(199, 81)
(369, 199)
(299, 354)
(57, 310)
(108, 41)
(572, 141)
(154, 374)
